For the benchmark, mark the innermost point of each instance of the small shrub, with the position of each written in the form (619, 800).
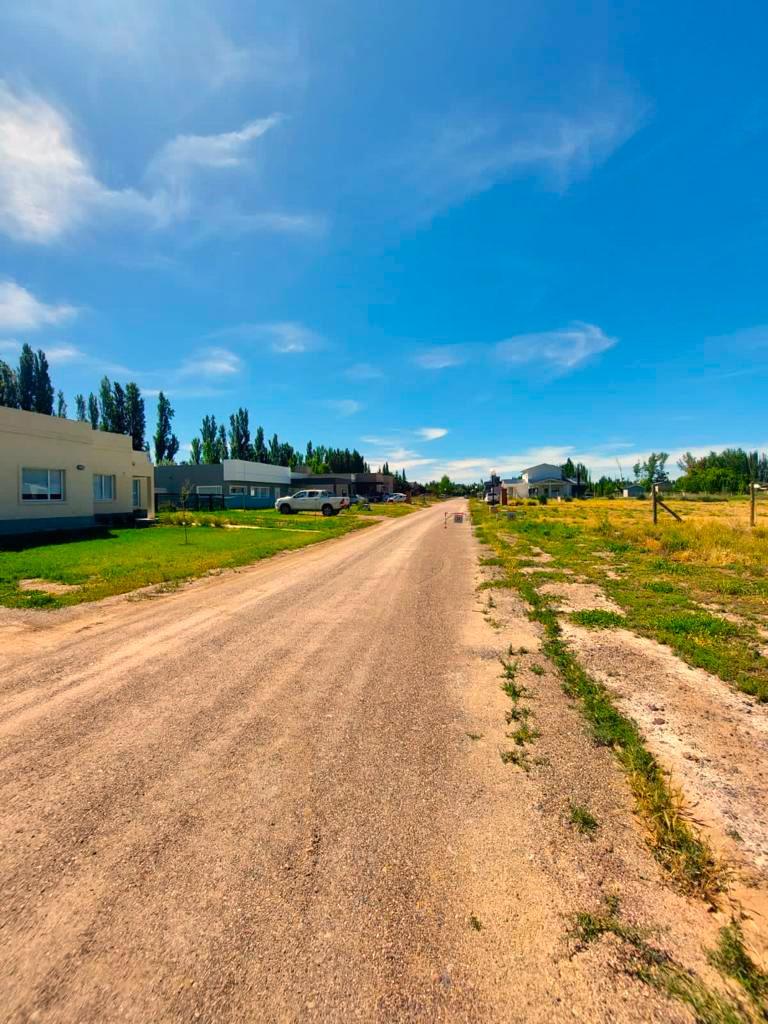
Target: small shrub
(584, 821)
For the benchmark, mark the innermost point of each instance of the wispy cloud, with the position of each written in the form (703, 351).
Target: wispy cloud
(748, 339)
(19, 309)
(555, 352)
(48, 187)
(431, 433)
(181, 155)
(364, 371)
(469, 151)
(441, 357)
(212, 362)
(285, 337)
(344, 406)
(151, 41)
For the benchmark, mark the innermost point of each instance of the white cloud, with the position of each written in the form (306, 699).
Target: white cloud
(9, 348)
(225, 150)
(285, 337)
(212, 362)
(469, 151)
(440, 357)
(558, 351)
(364, 371)
(20, 309)
(431, 433)
(58, 354)
(48, 187)
(345, 406)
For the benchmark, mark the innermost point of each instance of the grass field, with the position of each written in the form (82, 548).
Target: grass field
(700, 586)
(118, 561)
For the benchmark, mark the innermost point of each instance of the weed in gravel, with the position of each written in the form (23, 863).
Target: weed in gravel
(524, 734)
(538, 670)
(475, 735)
(732, 960)
(514, 690)
(519, 758)
(583, 819)
(475, 923)
(598, 618)
(517, 713)
(655, 967)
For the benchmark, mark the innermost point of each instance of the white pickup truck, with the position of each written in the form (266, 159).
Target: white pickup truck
(312, 501)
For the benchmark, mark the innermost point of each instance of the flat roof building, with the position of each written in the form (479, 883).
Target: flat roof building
(60, 474)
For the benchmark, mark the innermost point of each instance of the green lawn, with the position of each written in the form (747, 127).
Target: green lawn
(117, 561)
(267, 517)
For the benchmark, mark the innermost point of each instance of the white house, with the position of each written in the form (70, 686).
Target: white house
(544, 480)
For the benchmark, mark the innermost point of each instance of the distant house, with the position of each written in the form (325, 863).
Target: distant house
(60, 474)
(542, 481)
(233, 482)
(633, 491)
(236, 483)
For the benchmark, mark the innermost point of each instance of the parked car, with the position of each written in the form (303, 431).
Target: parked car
(312, 501)
(491, 498)
(396, 498)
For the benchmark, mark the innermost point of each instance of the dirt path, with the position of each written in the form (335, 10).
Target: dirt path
(278, 795)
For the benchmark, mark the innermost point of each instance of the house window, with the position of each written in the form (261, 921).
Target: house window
(42, 485)
(136, 492)
(261, 492)
(208, 488)
(103, 487)
(237, 489)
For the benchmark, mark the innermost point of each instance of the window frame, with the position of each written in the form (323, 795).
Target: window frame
(32, 499)
(100, 498)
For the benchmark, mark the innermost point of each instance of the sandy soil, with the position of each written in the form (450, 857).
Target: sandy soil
(580, 597)
(277, 795)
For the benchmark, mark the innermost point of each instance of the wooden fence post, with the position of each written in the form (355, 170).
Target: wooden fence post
(752, 503)
(655, 503)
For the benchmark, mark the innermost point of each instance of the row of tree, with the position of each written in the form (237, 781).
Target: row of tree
(29, 386)
(215, 443)
(730, 471)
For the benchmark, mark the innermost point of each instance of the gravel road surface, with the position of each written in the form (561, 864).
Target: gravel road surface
(277, 795)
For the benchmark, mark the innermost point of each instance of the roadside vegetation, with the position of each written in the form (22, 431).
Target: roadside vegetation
(700, 586)
(674, 840)
(99, 564)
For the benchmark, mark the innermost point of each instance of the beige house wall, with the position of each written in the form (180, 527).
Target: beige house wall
(30, 440)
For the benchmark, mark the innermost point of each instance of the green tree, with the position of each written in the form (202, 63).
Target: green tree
(222, 452)
(93, 411)
(166, 442)
(274, 451)
(209, 449)
(120, 424)
(260, 453)
(9, 391)
(653, 470)
(107, 405)
(135, 417)
(240, 436)
(61, 405)
(445, 486)
(44, 393)
(25, 378)
(195, 451)
(80, 410)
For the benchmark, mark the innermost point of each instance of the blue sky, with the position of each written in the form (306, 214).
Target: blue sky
(456, 236)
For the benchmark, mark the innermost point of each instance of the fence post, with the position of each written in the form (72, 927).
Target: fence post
(752, 502)
(655, 505)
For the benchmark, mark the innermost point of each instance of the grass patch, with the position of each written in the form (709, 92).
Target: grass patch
(676, 844)
(524, 734)
(475, 923)
(519, 758)
(538, 670)
(107, 562)
(583, 819)
(598, 618)
(665, 578)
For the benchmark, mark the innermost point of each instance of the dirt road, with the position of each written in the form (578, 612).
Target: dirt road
(277, 795)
